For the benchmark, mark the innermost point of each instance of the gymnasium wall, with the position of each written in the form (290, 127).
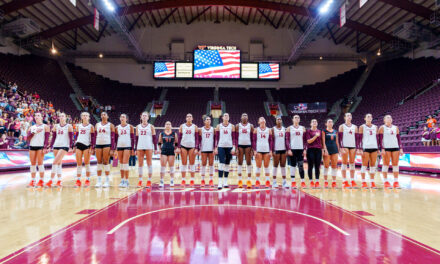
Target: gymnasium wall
(276, 42)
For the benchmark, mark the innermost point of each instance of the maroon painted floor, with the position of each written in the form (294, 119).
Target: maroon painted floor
(200, 226)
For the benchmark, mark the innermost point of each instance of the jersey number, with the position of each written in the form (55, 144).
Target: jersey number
(60, 132)
(123, 132)
(101, 130)
(280, 134)
(188, 132)
(82, 132)
(225, 132)
(262, 135)
(143, 133)
(244, 131)
(207, 135)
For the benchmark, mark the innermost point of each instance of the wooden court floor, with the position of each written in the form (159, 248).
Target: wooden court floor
(195, 225)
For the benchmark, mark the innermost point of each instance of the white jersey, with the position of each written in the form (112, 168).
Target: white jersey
(62, 140)
(244, 134)
(188, 136)
(296, 137)
(225, 136)
(279, 138)
(103, 134)
(369, 137)
(390, 137)
(124, 136)
(145, 137)
(348, 136)
(37, 139)
(207, 139)
(84, 134)
(263, 140)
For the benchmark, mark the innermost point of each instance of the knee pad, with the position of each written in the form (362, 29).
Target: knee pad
(87, 167)
(60, 168)
(183, 168)
(211, 170)
(226, 168)
(266, 170)
(249, 169)
(99, 167)
(54, 168)
(33, 168)
(363, 169)
(172, 169)
(396, 168)
(106, 167)
(372, 170)
(163, 169)
(40, 168)
(141, 170)
(385, 168)
(258, 170)
(344, 167)
(326, 171)
(79, 170)
(352, 166)
(283, 171)
(150, 169)
(221, 166)
(239, 169)
(334, 172)
(193, 168)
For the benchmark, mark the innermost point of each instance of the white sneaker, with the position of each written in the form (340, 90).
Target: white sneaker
(285, 184)
(127, 185)
(106, 184)
(220, 185)
(161, 183)
(172, 183)
(274, 184)
(122, 184)
(98, 184)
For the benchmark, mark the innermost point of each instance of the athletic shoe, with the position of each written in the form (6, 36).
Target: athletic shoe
(98, 184)
(387, 185)
(87, 183)
(40, 183)
(353, 184)
(333, 184)
(293, 185)
(373, 185)
(267, 184)
(202, 183)
(364, 185)
(148, 184)
(257, 183)
(161, 183)
(312, 184)
(326, 184)
(240, 184)
(211, 183)
(249, 184)
(220, 186)
(78, 183)
(275, 185)
(303, 185)
(285, 185)
(59, 184)
(191, 183)
(316, 185)
(345, 184)
(172, 183)
(225, 183)
(49, 184)
(183, 183)
(139, 184)
(31, 183)
(396, 185)
(127, 184)
(106, 184)
(122, 184)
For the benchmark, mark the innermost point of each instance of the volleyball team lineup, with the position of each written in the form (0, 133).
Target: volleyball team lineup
(280, 146)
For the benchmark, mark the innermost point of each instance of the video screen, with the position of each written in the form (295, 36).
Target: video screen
(249, 70)
(217, 64)
(269, 71)
(184, 70)
(164, 70)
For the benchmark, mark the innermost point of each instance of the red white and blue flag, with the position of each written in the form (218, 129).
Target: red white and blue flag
(164, 69)
(269, 71)
(217, 64)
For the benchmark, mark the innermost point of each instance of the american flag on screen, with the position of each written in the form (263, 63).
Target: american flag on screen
(269, 71)
(216, 64)
(164, 70)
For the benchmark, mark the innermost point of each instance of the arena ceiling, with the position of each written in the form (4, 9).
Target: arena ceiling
(367, 28)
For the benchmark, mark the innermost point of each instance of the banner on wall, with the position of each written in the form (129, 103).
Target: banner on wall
(96, 20)
(73, 2)
(307, 108)
(362, 2)
(342, 16)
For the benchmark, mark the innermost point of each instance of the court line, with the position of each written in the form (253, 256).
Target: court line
(389, 230)
(114, 229)
(50, 236)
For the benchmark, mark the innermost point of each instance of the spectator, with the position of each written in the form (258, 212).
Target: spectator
(24, 126)
(426, 137)
(431, 121)
(437, 133)
(4, 142)
(433, 132)
(20, 143)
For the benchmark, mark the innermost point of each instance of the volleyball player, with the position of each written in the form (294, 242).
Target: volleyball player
(347, 142)
(389, 138)
(206, 147)
(38, 138)
(124, 147)
(244, 148)
(262, 145)
(330, 153)
(224, 142)
(314, 152)
(279, 152)
(105, 147)
(146, 142)
(84, 147)
(62, 142)
(187, 146)
(368, 145)
(168, 146)
(295, 135)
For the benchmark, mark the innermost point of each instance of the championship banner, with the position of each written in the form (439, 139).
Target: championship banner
(342, 16)
(96, 20)
(307, 108)
(362, 2)
(73, 2)
(19, 159)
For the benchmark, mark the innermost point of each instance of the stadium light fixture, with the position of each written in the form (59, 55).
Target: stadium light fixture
(53, 50)
(101, 55)
(379, 53)
(110, 5)
(320, 57)
(324, 8)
